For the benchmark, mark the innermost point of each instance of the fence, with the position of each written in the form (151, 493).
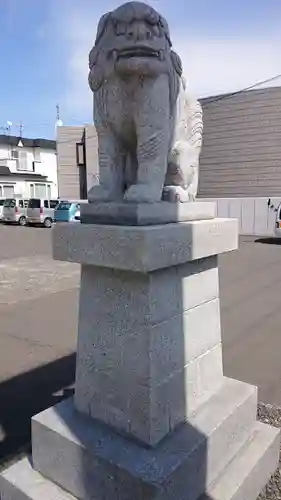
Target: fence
(254, 215)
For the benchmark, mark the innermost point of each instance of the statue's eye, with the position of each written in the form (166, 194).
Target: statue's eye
(155, 30)
(120, 29)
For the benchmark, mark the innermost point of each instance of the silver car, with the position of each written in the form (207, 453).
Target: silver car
(14, 211)
(40, 211)
(1, 207)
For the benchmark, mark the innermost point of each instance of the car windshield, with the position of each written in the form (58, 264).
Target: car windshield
(63, 205)
(10, 203)
(34, 203)
(2, 203)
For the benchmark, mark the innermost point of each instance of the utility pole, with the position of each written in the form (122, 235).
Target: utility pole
(59, 122)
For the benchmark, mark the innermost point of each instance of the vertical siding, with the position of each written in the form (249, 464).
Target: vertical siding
(68, 172)
(91, 155)
(241, 153)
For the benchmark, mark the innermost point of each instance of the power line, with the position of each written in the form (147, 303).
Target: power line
(250, 87)
(208, 102)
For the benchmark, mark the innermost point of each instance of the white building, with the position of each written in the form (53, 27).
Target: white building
(28, 167)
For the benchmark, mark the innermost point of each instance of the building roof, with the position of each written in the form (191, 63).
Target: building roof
(5, 171)
(13, 140)
(257, 91)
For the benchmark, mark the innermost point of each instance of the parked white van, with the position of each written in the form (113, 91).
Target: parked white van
(41, 211)
(14, 211)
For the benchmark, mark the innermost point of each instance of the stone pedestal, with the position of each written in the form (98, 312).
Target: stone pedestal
(153, 417)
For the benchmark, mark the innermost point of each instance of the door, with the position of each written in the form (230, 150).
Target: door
(9, 209)
(34, 209)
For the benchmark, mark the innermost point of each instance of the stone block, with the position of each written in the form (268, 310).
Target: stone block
(245, 477)
(87, 458)
(137, 299)
(144, 248)
(143, 214)
(122, 366)
(22, 482)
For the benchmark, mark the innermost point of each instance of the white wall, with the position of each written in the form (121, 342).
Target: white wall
(47, 166)
(254, 215)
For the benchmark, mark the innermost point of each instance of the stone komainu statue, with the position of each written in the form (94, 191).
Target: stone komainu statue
(149, 127)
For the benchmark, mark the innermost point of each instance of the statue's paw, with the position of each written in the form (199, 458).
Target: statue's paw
(101, 193)
(176, 194)
(143, 193)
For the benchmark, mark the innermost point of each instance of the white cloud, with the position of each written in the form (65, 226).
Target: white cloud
(212, 66)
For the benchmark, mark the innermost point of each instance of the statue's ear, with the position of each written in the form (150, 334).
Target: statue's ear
(165, 29)
(96, 77)
(103, 22)
(176, 61)
(93, 56)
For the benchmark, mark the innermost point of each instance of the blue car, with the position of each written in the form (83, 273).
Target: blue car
(66, 210)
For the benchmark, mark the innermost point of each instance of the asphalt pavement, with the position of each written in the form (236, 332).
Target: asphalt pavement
(38, 324)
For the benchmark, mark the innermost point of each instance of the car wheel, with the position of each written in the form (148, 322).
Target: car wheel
(48, 222)
(22, 221)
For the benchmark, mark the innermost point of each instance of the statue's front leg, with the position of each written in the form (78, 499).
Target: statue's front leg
(111, 168)
(152, 127)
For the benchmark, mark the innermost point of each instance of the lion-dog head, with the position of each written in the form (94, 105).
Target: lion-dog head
(133, 40)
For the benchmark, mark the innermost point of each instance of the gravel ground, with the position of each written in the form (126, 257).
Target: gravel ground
(271, 415)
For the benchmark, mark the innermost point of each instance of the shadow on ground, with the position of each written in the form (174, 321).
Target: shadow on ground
(269, 241)
(27, 394)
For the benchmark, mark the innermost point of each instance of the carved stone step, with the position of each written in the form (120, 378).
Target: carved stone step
(22, 482)
(83, 456)
(250, 470)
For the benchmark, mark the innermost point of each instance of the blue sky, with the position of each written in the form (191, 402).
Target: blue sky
(225, 45)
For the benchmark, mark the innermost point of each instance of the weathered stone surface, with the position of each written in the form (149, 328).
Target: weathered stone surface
(139, 299)
(149, 126)
(144, 214)
(145, 248)
(85, 457)
(134, 355)
(150, 410)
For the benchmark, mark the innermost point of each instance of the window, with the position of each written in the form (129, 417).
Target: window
(22, 162)
(15, 154)
(40, 190)
(8, 191)
(53, 203)
(21, 205)
(37, 155)
(46, 203)
(64, 205)
(34, 203)
(1, 203)
(10, 203)
(80, 154)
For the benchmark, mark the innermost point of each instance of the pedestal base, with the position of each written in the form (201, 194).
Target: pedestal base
(222, 453)
(144, 214)
(149, 365)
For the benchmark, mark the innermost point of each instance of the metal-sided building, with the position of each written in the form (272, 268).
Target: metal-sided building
(240, 164)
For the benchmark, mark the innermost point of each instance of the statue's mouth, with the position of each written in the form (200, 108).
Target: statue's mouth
(140, 52)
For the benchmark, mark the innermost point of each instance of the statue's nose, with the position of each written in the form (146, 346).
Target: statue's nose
(143, 32)
(138, 32)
